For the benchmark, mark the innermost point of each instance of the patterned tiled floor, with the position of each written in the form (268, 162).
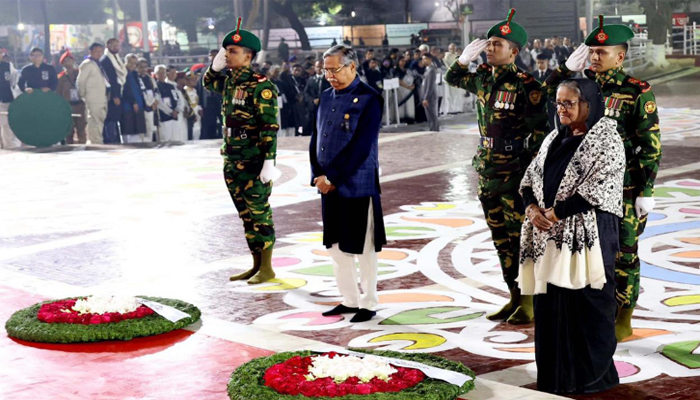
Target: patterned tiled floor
(160, 222)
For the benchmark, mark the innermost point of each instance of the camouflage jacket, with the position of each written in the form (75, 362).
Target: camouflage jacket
(249, 111)
(511, 106)
(631, 103)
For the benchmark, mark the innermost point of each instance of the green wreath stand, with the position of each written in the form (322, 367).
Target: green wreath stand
(25, 325)
(247, 381)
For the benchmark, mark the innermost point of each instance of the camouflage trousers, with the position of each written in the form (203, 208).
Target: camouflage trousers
(627, 265)
(250, 196)
(504, 213)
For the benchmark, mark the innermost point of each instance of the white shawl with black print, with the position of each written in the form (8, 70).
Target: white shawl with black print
(569, 255)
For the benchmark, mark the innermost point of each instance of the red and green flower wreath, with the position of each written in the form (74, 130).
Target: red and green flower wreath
(55, 322)
(61, 312)
(282, 376)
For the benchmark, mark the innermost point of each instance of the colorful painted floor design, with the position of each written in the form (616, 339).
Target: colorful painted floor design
(159, 222)
(678, 124)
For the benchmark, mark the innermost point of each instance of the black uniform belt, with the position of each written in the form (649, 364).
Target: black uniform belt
(239, 133)
(498, 144)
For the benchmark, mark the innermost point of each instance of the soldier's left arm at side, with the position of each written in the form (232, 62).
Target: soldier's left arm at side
(647, 138)
(265, 96)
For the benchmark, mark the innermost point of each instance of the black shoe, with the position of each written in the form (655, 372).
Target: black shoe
(340, 309)
(363, 315)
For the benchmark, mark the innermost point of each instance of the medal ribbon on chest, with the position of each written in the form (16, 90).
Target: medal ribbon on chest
(612, 106)
(239, 97)
(505, 100)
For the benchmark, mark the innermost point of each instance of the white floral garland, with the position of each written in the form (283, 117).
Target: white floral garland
(106, 304)
(341, 368)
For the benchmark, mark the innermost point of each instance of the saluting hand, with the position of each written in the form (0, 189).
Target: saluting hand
(219, 62)
(578, 59)
(472, 51)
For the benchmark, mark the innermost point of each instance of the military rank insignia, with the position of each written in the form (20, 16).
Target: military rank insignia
(612, 106)
(239, 97)
(505, 100)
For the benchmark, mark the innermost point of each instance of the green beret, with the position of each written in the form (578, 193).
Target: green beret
(243, 38)
(509, 30)
(609, 35)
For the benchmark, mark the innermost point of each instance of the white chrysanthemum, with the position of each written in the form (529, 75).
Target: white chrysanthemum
(341, 368)
(106, 304)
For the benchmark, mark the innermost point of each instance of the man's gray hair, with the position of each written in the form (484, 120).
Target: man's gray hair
(347, 54)
(160, 67)
(130, 56)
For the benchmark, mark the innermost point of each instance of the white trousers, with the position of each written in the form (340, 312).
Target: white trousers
(169, 131)
(150, 125)
(138, 138)
(453, 102)
(345, 271)
(8, 140)
(97, 112)
(181, 128)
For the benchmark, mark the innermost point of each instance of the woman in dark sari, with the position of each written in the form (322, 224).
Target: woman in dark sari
(573, 194)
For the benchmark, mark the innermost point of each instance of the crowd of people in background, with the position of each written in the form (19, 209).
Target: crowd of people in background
(123, 99)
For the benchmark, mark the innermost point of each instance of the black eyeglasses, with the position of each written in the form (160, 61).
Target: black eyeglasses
(565, 104)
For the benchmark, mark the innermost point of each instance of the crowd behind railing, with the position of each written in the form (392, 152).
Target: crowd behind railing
(119, 98)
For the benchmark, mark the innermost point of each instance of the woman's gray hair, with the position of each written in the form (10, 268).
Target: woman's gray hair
(347, 54)
(573, 86)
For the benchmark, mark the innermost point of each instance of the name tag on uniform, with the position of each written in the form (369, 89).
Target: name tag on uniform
(45, 75)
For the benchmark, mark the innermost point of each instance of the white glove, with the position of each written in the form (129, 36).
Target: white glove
(219, 62)
(578, 59)
(472, 51)
(643, 206)
(269, 172)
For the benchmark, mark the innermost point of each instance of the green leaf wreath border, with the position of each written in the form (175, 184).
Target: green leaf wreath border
(25, 325)
(247, 382)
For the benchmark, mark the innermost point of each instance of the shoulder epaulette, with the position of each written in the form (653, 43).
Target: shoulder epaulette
(643, 85)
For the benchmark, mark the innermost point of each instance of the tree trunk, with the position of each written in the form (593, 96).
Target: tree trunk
(285, 10)
(252, 15)
(192, 36)
(659, 15)
(47, 31)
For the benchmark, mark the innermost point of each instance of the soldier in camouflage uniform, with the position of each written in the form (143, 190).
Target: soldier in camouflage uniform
(250, 144)
(631, 103)
(512, 119)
